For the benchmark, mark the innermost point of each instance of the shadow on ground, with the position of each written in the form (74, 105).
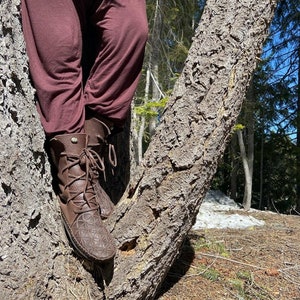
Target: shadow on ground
(179, 268)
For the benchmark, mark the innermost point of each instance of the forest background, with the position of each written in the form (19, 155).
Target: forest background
(261, 166)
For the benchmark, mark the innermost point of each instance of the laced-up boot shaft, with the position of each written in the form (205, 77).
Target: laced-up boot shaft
(78, 203)
(98, 132)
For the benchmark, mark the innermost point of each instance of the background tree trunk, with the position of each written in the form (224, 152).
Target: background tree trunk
(247, 172)
(154, 61)
(162, 200)
(246, 141)
(298, 138)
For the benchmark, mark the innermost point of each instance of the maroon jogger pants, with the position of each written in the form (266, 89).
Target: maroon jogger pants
(54, 32)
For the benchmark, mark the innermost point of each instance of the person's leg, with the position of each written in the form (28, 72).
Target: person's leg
(54, 45)
(122, 30)
(53, 40)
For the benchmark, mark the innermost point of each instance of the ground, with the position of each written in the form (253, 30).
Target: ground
(260, 262)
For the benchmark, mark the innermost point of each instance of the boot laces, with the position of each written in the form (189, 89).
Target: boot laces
(87, 159)
(112, 156)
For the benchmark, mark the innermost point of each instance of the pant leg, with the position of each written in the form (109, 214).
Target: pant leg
(122, 30)
(54, 45)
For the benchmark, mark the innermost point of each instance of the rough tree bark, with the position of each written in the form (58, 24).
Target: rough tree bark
(161, 202)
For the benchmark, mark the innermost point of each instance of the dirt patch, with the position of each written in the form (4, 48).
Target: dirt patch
(256, 263)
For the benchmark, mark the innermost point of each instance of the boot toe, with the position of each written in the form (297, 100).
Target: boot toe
(91, 238)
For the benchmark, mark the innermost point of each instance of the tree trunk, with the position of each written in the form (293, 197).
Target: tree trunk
(261, 169)
(155, 40)
(163, 198)
(247, 172)
(298, 138)
(250, 130)
(248, 156)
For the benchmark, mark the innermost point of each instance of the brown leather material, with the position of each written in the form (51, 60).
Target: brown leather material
(97, 132)
(97, 129)
(79, 208)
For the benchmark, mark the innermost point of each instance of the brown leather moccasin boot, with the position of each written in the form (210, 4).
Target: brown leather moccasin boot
(79, 208)
(97, 132)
